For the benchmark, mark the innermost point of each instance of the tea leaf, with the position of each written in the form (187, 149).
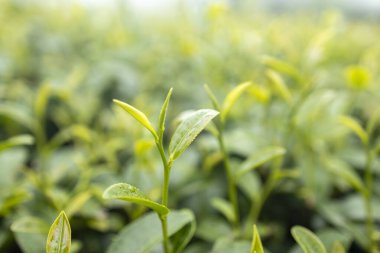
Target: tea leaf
(188, 130)
(225, 208)
(338, 248)
(282, 67)
(354, 126)
(30, 224)
(344, 171)
(227, 245)
(231, 99)
(143, 234)
(16, 141)
(212, 97)
(59, 238)
(161, 121)
(130, 193)
(258, 158)
(138, 115)
(257, 246)
(308, 241)
(279, 85)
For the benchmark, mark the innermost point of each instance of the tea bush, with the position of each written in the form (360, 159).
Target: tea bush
(290, 139)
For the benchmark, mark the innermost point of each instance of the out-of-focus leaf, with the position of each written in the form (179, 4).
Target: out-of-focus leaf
(226, 245)
(42, 100)
(16, 141)
(258, 158)
(77, 202)
(59, 237)
(212, 97)
(188, 130)
(282, 67)
(257, 246)
(212, 228)
(338, 248)
(250, 184)
(231, 99)
(30, 224)
(225, 208)
(354, 126)
(161, 121)
(18, 113)
(308, 241)
(279, 85)
(344, 171)
(357, 77)
(260, 93)
(130, 193)
(138, 115)
(145, 233)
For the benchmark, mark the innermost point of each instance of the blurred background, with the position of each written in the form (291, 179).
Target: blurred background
(310, 62)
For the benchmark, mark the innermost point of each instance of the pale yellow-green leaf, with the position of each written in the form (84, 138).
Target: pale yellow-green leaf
(127, 192)
(59, 237)
(338, 248)
(282, 66)
(162, 117)
(231, 99)
(16, 141)
(354, 126)
(279, 85)
(257, 246)
(138, 115)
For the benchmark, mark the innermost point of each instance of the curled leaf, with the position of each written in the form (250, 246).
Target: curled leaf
(138, 115)
(161, 121)
(231, 99)
(354, 126)
(127, 192)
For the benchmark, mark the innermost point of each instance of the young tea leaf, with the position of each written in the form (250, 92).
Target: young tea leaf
(262, 156)
(130, 193)
(188, 130)
(279, 85)
(225, 208)
(357, 77)
(16, 141)
(59, 238)
(212, 97)
(161, 121)
(231, 99)
(138, 115)
(354, 126)
(257, 246)
(308, 241)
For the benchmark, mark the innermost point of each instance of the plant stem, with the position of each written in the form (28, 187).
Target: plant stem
(368, 199)
(232, 193)
(165, 193)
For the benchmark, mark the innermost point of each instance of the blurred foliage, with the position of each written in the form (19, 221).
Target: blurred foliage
(61, 65)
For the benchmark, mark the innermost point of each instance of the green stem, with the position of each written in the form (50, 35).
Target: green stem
(232, 192)
(165, 193)
(368, 199)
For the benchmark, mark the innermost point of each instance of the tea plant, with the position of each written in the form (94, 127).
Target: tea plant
(185, 133)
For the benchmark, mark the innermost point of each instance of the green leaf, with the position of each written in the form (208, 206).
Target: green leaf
(212, 97)
(354, 126)
(161, 121)
(338, 248)
(345, 172)
(227, 245)
(279, 85)
(225, 208)
(257, 246)
(282, 67)
(188, 130)
(59, 238)
(145, 233)
(308, 241)
(138, 115)
(28, 224)
(18, 113)
(130, 193)
(258, 158)
(231, 99)
(16, 141)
